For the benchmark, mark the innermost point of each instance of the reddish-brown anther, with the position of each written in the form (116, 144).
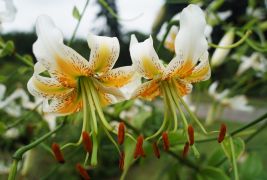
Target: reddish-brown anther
(139, 151)
(121, 133)
(166, 142)
(57, 153)
(186, 149)
(190, 131)
(156, 150)
(82, 172)
(222, 133)
(121, 160)
(87, 142)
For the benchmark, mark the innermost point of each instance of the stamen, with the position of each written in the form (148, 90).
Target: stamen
(222, 133)
(139, 151)
(121, 160)
(121, 133)
(190, 131)
(156, 150)
(82, 172)
(57, 153)
(166, 142)
(186, 149)
(87, 142)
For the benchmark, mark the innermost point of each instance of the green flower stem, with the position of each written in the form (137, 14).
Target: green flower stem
(86, 159)
(165, 117)
(18, 56)
(99, 110)
(171, 23)
(95, 149)
(256, 121)
(172, 94)
(78, 23)
(252, 44)
(192, 115)
(86, 118)
(20, 152)
(244, 38)
(88, 87)
(233, 159)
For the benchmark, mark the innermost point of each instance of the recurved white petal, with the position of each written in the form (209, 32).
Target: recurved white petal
(118, 77)
(64, 105)
(104, 53)
(190, 42)
(145, 58)
(201, 72)
(61, 61)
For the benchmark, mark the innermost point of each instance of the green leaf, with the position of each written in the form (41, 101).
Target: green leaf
(239, 147)
(177, 137)
(216, 157)
(251, 168)
(211, 173)
(8, 49)
(2, 128)
(75, 13)
(129, 147)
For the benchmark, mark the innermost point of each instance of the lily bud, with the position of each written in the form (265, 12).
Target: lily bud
(220, 54)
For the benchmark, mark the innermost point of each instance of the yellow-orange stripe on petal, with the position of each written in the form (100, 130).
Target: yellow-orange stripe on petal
(104, 53)
(46, 87)
(183, 87)
(148, 90)
(69, 104)
(118, 77)
(201, 72)
(61, 61)
(145, 58)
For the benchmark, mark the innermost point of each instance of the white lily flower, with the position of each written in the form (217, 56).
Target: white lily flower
(256, 61)
(66, 67)
(7, 11)
(220, 54)
(190, 65)
(170, 39)
(238, 102)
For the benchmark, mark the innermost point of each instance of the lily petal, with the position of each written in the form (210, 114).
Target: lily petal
(61, 61)
(190, 42)
(183, 87)
(104, 53)
(118, 77)
(148, 90)
(201, 72)
(145, 58)
(63, 106)
(45, 87)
